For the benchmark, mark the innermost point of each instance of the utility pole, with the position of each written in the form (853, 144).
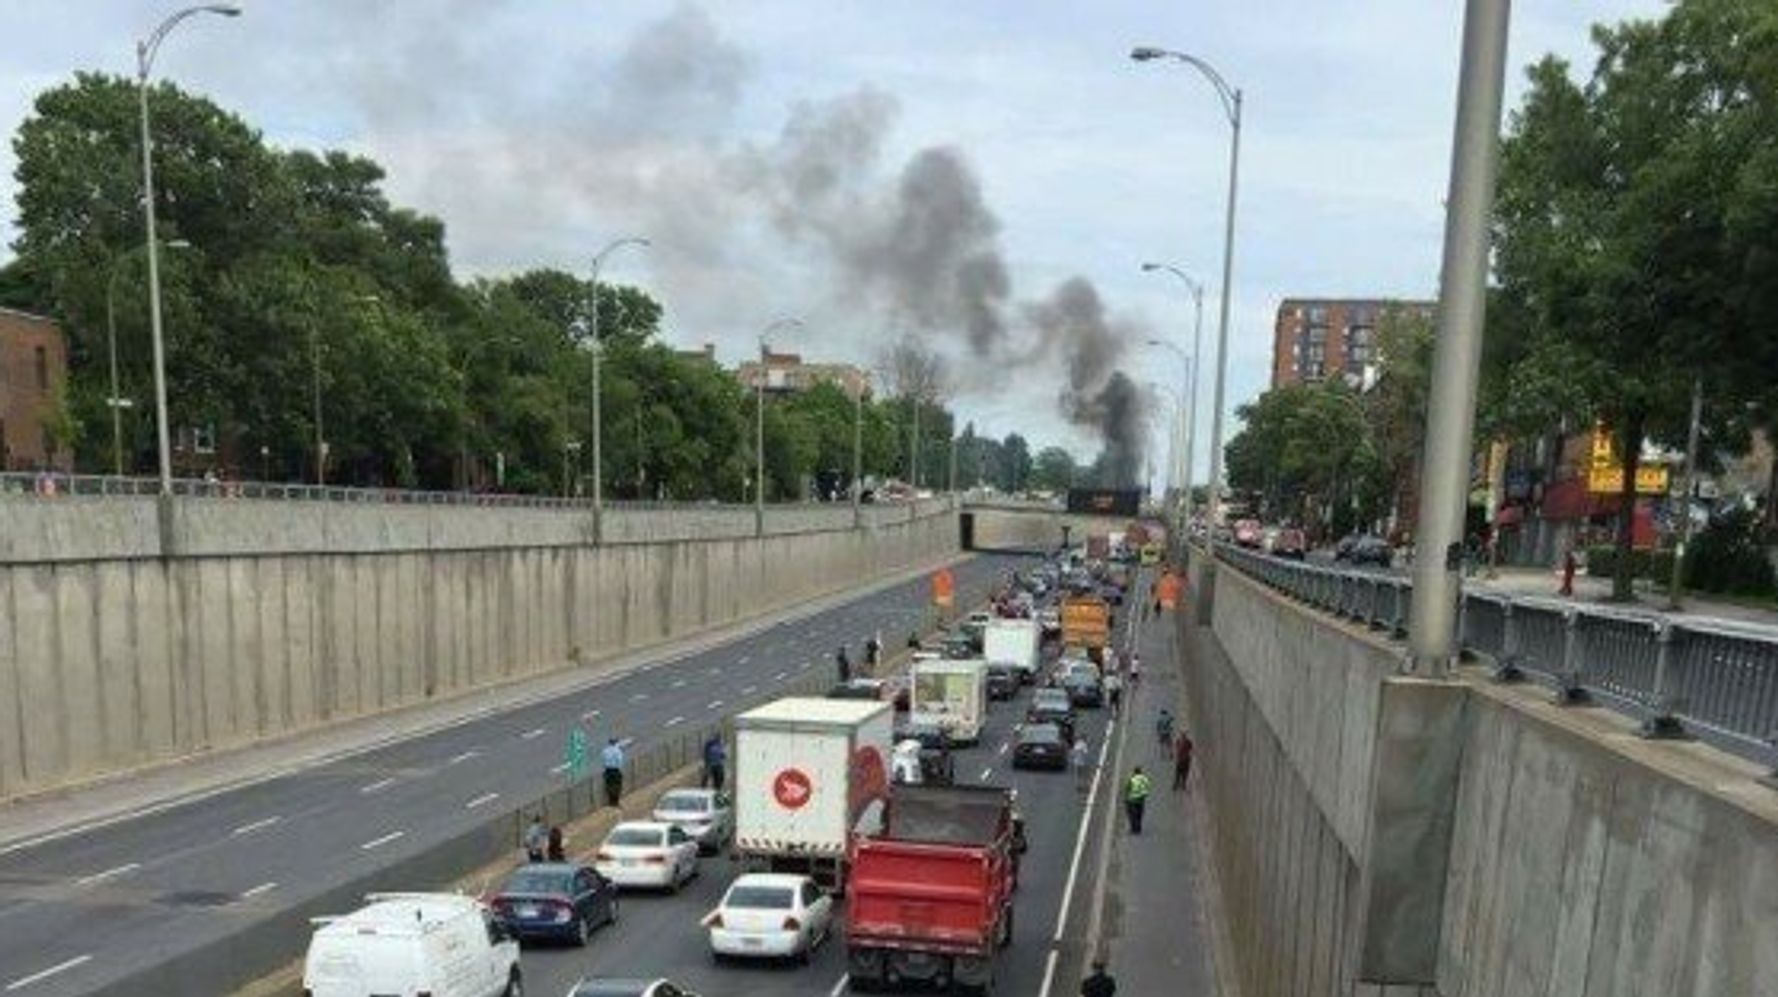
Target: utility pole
(1456, 362)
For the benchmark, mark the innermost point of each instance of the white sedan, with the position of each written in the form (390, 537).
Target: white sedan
(770, 915)
(647, 853)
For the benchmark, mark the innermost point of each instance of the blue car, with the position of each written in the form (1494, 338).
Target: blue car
(555, 901)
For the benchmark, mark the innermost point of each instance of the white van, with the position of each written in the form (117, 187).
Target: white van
(440, 944)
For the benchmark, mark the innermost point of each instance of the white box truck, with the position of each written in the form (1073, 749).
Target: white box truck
(1014, 643)
(950, 697)
(810, 773)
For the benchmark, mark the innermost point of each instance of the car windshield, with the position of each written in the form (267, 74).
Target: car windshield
(760, 897)
(537, 881)
(683, 803)
(635, 837)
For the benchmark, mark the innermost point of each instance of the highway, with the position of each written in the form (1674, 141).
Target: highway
(92, 908)
(659, 935)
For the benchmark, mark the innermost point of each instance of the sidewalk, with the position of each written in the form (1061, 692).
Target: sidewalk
(1154, 926)
(1547, 583)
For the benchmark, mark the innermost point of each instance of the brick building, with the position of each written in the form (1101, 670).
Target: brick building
(787, 373)
(33, 371)
(1317, 338)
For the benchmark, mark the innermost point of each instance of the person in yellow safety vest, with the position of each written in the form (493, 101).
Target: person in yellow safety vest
(1136, 797)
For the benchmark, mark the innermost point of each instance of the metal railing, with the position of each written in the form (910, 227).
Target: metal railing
(1678, 675)
(56, 484)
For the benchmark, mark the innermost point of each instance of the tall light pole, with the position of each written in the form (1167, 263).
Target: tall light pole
(759, 421)
(1193, 367)
(858, 452)
(1173, 442)
(1231, 106)
(598, 348)
(1457, 353)
(145, 53)
(117, 402)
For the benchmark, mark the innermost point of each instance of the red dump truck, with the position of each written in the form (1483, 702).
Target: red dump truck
(930, 897)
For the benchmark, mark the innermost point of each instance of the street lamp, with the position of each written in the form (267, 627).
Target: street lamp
(1173, 438)
(1193, 366)
(759, 422)
(117, 402)
(598, 348)
(146, 50)
(1231, 105)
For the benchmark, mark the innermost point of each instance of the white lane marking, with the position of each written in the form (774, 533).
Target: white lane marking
(100, 877)
(373, 787)
(806, 664)
(715, 704)
(1005, 747)
(465, 756)
(60, 967)
(986, 773)
(716, 671)
(780, 676)
(478, 801)
(590, 714)
(675, 720)
(742, 660)
(840, 987)
(626, 742)
(380, 842)
(678, 683)
(1080, 838)
(256, 825)
(639, 697)
(1049, 974)
(748, 691)
(257, 890)
(559, 769)
(532, 734)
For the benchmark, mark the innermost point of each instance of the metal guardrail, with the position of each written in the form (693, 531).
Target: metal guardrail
(1677, 675)
(57, 485)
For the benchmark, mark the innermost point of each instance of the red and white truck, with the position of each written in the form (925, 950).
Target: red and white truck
(930, 898)
(809, 775)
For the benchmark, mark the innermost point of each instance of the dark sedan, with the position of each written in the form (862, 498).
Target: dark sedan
(1040, 747)
(1003, 681)
(555, 901)
(1052, 706)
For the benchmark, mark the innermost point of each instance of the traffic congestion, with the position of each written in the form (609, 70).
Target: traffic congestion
(911, 829)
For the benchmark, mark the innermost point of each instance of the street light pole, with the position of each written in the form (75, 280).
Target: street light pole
(598, 348)
(145, 52)
(858, 454)
(1456, 361)
(1193, 366)
(759, 422)
(1232, 107)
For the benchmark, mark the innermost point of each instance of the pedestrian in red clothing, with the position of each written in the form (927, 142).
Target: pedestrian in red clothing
(1182, 761)
(1568, 566)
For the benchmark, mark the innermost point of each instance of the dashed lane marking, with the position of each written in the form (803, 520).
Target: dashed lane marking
(531, 735)
(986, 773)
(749, 690)
(100, 877)
(38, 977)
(257, 890)
(373, 787)
(465, 756)
(256, 825)
(481, 800)
(715, 704)
(672, 722)
(380, 842)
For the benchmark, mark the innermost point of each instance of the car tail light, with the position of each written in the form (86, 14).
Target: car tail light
(656, 859)
(792, 924)
(713, 919)
(564, 912)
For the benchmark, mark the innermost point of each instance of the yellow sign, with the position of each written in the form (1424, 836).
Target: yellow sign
(1605, 473)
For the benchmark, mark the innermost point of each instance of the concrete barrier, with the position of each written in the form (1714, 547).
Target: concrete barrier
(1377, 835)
(113, 657)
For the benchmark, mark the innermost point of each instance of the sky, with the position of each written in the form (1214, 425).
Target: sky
(985, 176)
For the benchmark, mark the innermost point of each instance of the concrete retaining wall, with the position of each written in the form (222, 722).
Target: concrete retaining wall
(1384, 836)
(1036, 529)
(109, 663)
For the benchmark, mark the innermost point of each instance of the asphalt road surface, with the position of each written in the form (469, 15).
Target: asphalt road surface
(94, 907)
(658, 935)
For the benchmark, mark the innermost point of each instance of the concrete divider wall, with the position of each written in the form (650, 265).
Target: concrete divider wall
(111, 663)
(1034, 529)
(1377, 835)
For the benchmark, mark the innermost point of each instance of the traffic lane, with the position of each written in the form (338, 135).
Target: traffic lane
(298, 861)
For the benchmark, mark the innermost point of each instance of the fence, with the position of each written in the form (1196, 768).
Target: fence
(1715, 680)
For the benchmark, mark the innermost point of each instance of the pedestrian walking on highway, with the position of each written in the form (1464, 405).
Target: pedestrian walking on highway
(1182, 762)
(1100, 984)
(1136, 790)
(536, 838)
(558, 851)
(715, 762)
(1079, 759)
(843, 663)
(1163, 728)
(1114, 691)
(1135, 670)
(873, 652)
(612, 758)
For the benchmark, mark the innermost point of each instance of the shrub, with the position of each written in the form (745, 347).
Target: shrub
(1726, 557)
(1655, 565)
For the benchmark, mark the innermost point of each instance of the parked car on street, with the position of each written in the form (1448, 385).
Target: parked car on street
(1366, 550)
(771, 915)
(555, 901)
(1248, 533)
(1290, 542)
(647, 853)
(1040, 746)
(705, 814)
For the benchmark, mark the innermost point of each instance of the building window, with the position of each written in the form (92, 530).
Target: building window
(1317, 315)
(42, 356)
(1317, 336)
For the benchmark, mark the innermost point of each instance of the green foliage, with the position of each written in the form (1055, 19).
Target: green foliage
(1054, 470)
(1652, 565)
(1727, 557)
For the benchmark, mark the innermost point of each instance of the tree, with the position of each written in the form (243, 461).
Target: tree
(1633, 223)
(1015, 464)
(1054, 470)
